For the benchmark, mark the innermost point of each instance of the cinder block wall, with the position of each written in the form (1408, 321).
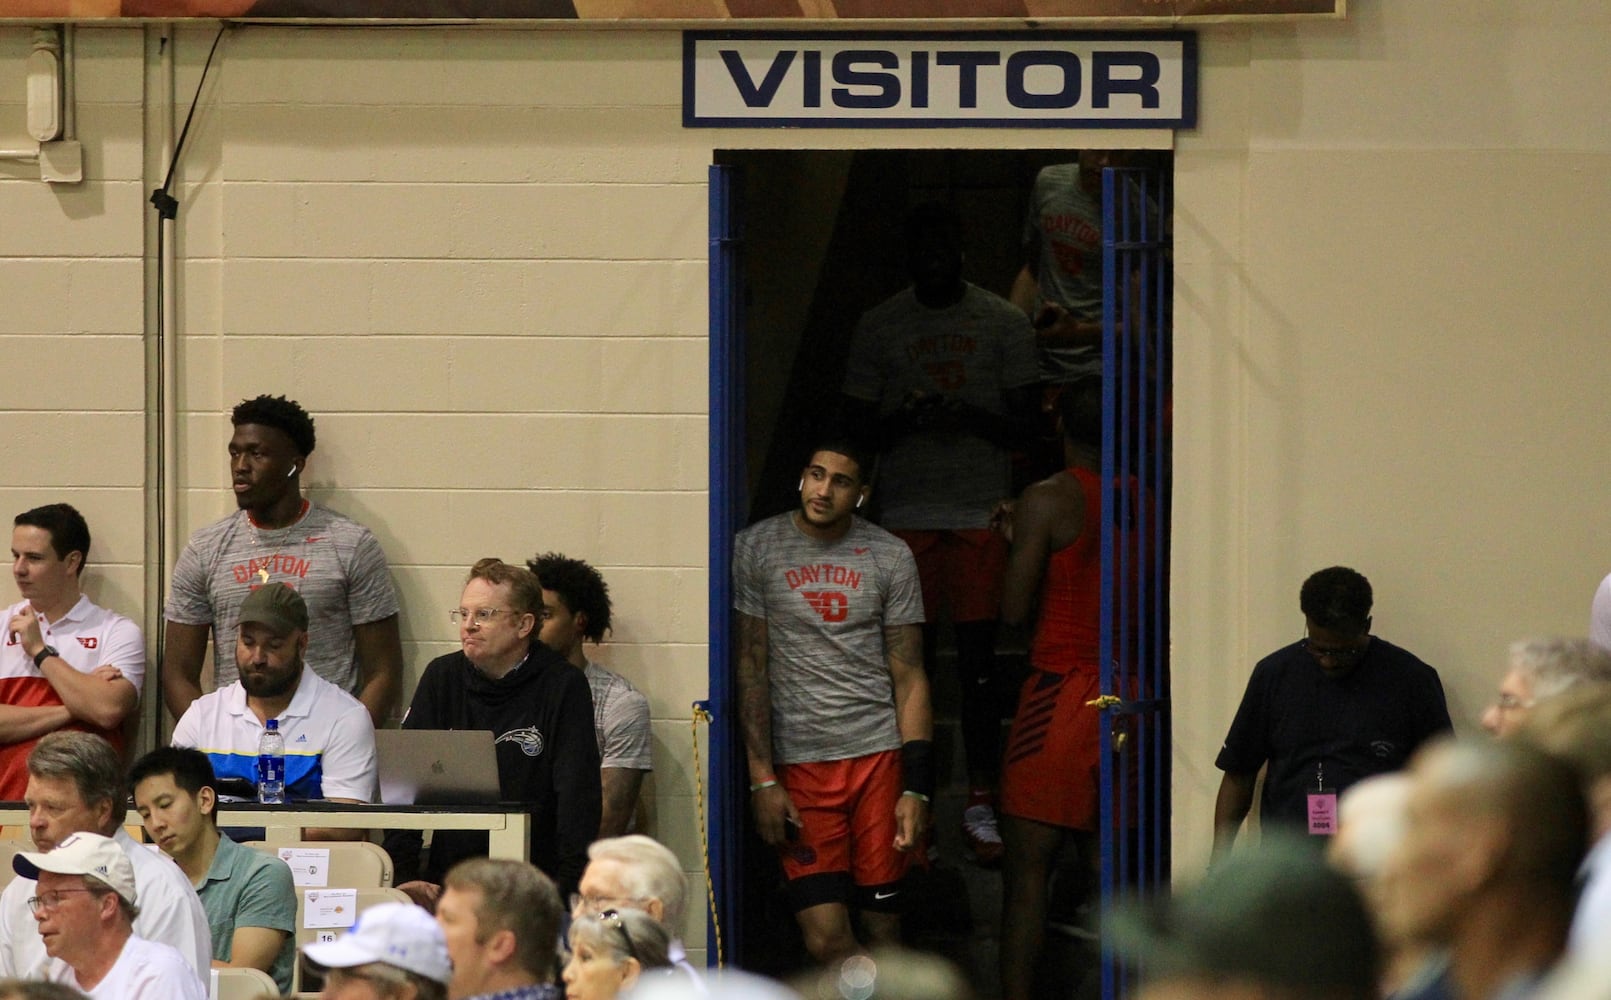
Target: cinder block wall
(481, 263)
(72, 318)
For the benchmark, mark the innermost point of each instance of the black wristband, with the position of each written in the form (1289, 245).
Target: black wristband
(917, 767)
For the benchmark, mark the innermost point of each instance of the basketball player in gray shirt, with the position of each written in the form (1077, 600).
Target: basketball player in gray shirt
(834, 703)
(278, 536)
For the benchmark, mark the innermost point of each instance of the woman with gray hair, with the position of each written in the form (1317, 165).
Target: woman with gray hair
(610, 951)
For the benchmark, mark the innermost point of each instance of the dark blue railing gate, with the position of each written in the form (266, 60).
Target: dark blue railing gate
(1135, 543)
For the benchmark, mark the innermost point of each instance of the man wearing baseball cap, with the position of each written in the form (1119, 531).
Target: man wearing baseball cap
(396, 950)
(85, 907)
(329, 739)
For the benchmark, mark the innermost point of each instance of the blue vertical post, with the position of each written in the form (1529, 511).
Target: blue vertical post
(727, 506)
(1110, 424)
(1134, 644)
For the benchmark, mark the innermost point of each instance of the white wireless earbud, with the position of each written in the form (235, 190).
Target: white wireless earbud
(288, 475)
(802, 484)
(860, 500)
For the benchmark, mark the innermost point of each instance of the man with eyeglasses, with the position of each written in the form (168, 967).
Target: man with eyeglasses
(84, 904)
(1542, 668)
(1334, 707)
(329, 740)
(539, 709)
(637, 873)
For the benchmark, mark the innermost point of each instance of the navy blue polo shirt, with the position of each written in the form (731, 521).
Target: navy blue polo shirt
(1299, 720)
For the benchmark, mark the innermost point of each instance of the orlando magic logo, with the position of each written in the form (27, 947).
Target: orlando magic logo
(528, 739)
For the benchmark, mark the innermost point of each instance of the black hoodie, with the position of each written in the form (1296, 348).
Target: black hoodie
(541, 718)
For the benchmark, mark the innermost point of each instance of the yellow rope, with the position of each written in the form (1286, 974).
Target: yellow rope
(700, 715)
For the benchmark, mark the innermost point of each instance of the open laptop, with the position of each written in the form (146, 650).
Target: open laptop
(436, 767)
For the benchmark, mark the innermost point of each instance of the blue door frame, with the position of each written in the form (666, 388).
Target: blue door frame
(1135, 726)
(727, 506)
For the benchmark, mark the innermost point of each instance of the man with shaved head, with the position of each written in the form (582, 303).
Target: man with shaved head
(1495, 835)
(1577, 728)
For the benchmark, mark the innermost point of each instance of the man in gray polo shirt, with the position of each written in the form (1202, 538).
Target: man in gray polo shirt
(249, 896)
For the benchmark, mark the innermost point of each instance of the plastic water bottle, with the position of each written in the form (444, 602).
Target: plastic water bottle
(271, 764)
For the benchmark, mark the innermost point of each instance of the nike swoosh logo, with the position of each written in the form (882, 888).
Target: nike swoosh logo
(859, 552)
(313, 538)
(885, 895)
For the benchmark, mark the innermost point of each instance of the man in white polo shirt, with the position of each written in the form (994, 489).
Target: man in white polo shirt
(85, 908)
(329, 740)
(65, 661)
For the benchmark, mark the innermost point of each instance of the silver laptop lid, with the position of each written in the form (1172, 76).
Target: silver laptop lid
(436, 766)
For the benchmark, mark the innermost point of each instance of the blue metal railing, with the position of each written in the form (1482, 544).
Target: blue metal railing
(1135, 732)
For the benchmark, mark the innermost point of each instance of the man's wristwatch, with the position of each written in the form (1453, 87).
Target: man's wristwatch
(39, 657)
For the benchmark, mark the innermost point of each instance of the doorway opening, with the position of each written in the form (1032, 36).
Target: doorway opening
(819, 240)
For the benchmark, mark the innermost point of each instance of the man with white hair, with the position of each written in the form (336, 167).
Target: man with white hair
(1542, 668)
(639, 873)
(85, 908)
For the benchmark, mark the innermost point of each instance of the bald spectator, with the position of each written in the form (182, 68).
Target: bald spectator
(85, 907)
(1272, 922)
(1600, 615)
(1576, 727)
(639, 873)
(501, 922)
(1496, 832)
(1540, 669)
(75, 785)
(1371, 823)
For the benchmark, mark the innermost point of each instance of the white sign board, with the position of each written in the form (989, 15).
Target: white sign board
(329, 907)
(310, 866)
(873, 79)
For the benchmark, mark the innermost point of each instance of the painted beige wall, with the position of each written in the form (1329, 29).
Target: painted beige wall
(479, 258)
(1389, 317)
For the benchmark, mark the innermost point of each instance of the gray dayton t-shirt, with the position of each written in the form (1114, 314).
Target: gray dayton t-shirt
(1063, 231)
(331, 560)
(826, 605)
(974, 350)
